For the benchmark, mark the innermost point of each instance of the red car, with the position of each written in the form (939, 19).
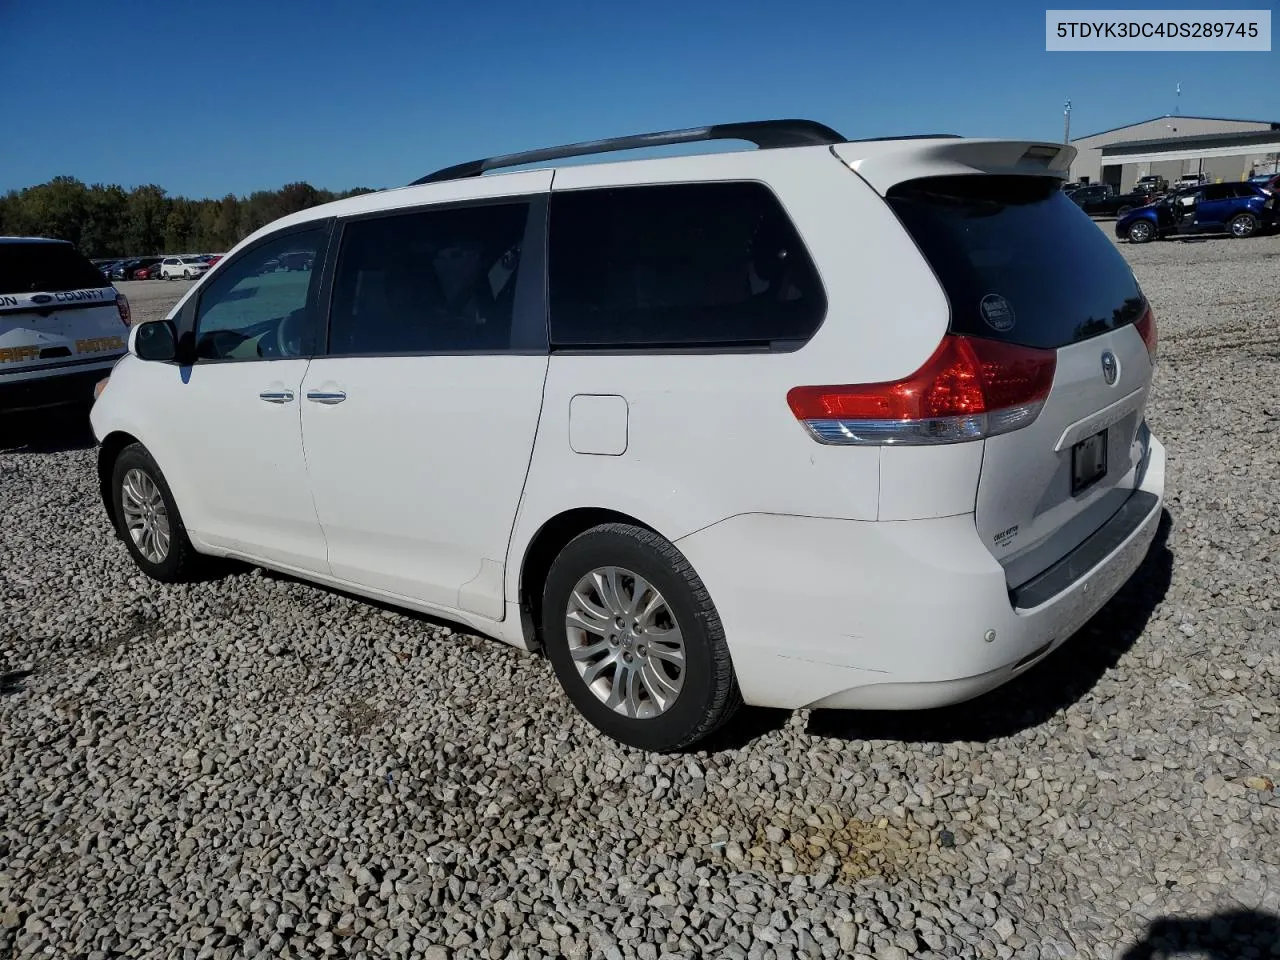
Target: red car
(147, 273)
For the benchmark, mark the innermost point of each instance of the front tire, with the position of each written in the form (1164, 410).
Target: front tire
(1243, 225)
(635, 640)
(1123, 210)
(147, 519)
(1140, 231)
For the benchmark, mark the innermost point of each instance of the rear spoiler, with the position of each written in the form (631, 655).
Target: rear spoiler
(886, 164)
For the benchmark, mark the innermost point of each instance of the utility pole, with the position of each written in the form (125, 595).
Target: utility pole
(1177, 100)
(1066, 122)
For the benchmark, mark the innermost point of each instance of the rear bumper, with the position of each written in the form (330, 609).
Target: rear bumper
(902, 615)
(73, 384)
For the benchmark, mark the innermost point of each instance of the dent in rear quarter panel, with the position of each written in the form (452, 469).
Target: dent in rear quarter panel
(921, 483)
(711, 435)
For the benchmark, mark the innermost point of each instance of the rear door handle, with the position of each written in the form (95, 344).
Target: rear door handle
(277, 396)
(326, 396)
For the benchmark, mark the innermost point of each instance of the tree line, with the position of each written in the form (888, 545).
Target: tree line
(105, 220)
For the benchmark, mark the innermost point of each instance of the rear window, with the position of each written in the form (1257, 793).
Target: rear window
(46, 268)
(1018, 260)
(679, 266)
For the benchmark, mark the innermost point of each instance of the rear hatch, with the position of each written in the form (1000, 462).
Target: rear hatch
(1024, 266)
(56, 309)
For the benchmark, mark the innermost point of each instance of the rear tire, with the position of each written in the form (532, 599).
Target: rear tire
(647, 662)
(1140, 231)
(1243, 225)
(147, 519)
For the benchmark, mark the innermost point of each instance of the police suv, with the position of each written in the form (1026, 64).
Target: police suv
(62, 324)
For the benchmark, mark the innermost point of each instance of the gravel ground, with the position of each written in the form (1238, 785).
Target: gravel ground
(251, 766)
(151, 299)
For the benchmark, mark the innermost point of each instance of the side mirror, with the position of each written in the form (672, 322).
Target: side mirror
(156, 340)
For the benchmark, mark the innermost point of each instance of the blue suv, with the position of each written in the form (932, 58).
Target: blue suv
(1240, 209)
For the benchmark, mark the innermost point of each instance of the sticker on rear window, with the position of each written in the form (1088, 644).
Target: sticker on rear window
(998, 312)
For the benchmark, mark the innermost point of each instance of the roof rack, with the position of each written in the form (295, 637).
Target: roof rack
(910, 136)
(765, 134)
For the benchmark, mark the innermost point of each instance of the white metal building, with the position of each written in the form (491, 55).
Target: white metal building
(1171, 146)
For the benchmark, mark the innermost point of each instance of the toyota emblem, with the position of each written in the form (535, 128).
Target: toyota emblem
(1110, 367)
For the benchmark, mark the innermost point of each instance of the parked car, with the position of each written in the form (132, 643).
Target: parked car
(711, 456)
(119, 270)
(1151, 185)
(128, 269)
(182, 268)
(62, 324)
(1102, 200)
(151, 272)
(1240, 209)
(1191, 180)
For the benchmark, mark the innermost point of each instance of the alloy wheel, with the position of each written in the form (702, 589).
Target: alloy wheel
(625, 642)
(145, 515)
(1241, 227)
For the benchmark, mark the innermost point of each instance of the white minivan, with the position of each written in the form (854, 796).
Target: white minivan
(826, 423)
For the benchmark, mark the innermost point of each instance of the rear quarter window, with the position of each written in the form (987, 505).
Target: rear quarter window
(705, 265)
(46, 268)
(1019, 262)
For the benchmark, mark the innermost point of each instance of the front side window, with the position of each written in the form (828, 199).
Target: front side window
(429, 281)
(254, 308)
(679, 266)
(1218, 191)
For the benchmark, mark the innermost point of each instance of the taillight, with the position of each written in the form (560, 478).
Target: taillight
(122, 304)
(1147, 327)
(969, 389)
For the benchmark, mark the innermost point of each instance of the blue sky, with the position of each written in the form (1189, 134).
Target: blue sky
(217, 96)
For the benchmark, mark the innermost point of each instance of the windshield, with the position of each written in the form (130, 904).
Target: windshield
(1018, 260)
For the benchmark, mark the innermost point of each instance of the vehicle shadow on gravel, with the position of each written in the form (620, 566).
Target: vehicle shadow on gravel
(11, 681)
(1223, 936)
(748, 725)
(46, 431)
(1047, 688)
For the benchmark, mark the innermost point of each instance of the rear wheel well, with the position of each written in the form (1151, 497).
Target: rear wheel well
(108, 450)
(545, 546)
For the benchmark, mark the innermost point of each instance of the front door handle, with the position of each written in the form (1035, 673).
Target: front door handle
(326, 396)
(277, 396)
